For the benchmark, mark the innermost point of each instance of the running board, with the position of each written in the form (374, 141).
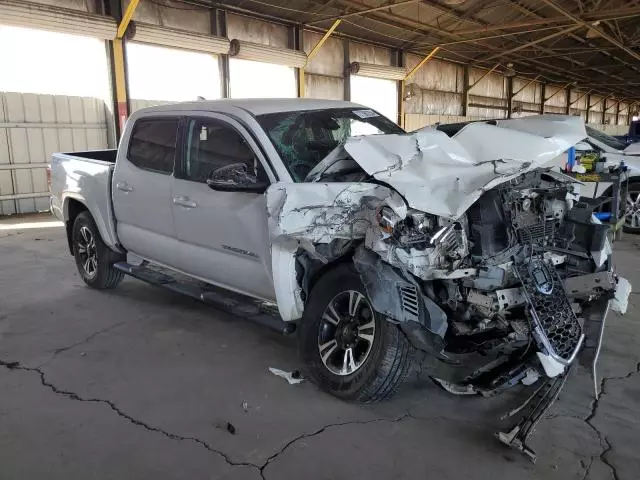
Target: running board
(231, 302)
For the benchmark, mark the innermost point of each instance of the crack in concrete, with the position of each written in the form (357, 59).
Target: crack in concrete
(87, 339)
(587, 469)
(119, 412)
(604, 440)
(12, 365)
(323, 429)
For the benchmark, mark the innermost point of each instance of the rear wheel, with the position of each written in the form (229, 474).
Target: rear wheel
(93, 258)
(347, 348)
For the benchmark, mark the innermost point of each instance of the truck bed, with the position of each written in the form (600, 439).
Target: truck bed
(85, 178)
(108, 156)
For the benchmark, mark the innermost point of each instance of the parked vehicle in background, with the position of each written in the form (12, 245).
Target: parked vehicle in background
(633, 136)
(615, 151)
(375, 244)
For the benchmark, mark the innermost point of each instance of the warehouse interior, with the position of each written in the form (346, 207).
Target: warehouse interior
(484, 61)
(139, 383)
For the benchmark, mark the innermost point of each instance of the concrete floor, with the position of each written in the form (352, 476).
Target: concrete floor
(141, 383)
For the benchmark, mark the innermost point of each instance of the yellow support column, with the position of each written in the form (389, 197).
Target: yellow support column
(122, 96)
(121, 83)
(312, 53)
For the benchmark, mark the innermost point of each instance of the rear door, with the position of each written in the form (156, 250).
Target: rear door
(142, 189)
(223, 234)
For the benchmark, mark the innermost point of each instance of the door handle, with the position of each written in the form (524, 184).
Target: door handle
(184, 202)
(124, 186)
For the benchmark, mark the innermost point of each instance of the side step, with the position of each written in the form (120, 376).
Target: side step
(252, 309)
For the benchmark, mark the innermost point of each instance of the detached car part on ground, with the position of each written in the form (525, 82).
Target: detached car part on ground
(459, 247)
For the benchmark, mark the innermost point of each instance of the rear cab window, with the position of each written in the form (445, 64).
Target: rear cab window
(153, 144)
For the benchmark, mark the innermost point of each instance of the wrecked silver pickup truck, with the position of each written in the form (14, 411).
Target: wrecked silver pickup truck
(377, 245)
(494, 266)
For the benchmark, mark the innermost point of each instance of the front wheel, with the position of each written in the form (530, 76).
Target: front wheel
(347, 348)
(93, 258)
(632, 219)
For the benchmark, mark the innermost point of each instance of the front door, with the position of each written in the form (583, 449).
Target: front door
(224, 235)
(141, 186)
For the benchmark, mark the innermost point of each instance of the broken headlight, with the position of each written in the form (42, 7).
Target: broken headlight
(413, 231)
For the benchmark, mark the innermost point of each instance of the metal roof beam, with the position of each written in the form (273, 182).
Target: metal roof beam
(535, 42)
(589, 17)
(601, 33)
(386, 6)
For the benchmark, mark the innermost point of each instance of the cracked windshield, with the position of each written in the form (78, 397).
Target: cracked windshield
(303, 139)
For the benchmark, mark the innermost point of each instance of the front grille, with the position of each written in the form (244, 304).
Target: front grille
(536, 232)
(555, 323)
(410, 302)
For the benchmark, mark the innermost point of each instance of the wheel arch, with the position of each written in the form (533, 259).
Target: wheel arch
(72, 208)
(73, 204)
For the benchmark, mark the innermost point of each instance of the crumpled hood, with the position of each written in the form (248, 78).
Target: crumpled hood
(445, 175)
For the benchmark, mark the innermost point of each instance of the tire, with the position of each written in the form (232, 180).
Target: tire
(93, 258)
(381, 364)
(632, 223)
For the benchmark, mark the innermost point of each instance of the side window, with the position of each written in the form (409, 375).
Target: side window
(212, 144)
(153, 144)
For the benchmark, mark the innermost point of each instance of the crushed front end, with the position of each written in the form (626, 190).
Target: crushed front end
(510, 293)
(492, 265)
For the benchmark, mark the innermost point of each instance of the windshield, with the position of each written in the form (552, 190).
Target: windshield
(608, 140)
(303, 139)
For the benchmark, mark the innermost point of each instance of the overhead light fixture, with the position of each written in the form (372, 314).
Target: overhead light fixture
(411, 91)
(510, 71)
(591, 33)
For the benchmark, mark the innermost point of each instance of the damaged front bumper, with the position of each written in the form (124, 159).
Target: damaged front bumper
(560, 335)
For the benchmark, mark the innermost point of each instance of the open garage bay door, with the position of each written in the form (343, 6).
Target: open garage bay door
(159, 75)
(376, 86)
(262, 71)
(42, 113)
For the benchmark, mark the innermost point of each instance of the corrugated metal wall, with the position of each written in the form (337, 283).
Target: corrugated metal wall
(439, 88)
(362, 52)
(257, 31)
(32, 127)
(324, 75)
(488, 98)
(183, 18)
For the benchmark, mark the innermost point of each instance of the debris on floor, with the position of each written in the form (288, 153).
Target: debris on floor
(291, 377)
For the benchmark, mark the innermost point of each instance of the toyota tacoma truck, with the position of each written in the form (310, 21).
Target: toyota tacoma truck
(378, 246)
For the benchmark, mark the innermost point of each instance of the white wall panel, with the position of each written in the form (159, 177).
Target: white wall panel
(320, 86)
(257, 31)
(32, 128)
(529, 94)
(559, 97)
(436, 74)
(330, 58)
(362, 52)
(493, 85)
(181, 16)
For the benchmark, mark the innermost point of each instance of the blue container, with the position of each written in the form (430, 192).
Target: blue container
(571, 158)
(603, 216)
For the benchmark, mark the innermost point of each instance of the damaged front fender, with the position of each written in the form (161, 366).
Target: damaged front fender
(401, 300)
(303, 215)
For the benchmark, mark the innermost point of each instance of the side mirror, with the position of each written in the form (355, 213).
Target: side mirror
(235, 178)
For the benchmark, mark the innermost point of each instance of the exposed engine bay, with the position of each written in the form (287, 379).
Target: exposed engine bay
(503, 283)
